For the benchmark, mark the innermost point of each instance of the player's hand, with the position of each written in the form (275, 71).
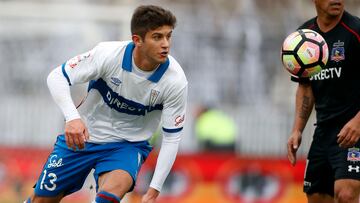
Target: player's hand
(76, 134)
(350, 133)
(293, 145)
(150, 196)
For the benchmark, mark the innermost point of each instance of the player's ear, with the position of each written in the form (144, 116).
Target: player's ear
(137, 40)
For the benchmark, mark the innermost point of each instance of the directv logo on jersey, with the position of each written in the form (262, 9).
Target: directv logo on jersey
(120, 103)
(328, 73)
(124, 105)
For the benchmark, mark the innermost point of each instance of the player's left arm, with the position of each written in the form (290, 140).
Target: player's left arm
(173, 118)
(165, 161)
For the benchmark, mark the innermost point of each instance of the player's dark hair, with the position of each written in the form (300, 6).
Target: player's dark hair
(150, 17)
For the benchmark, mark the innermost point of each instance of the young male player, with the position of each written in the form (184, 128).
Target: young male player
(133, 85)
(333, 164)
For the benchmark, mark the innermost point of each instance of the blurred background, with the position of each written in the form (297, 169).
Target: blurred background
(240, 107)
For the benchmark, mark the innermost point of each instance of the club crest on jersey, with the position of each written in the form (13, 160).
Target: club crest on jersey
(153, 97)
(338, 51)
(353, 154)
(77, 59)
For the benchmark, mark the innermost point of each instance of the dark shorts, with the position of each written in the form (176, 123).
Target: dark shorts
(66, 170)
(328, 162)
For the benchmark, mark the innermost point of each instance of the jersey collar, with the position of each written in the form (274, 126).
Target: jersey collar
(127, 64)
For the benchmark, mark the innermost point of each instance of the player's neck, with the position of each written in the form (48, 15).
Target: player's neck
(142, 62)
(327, 23)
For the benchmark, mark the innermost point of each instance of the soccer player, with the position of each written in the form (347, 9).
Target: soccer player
(133, 85)
(333, 164)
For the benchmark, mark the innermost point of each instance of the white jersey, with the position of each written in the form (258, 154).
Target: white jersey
(121, 105)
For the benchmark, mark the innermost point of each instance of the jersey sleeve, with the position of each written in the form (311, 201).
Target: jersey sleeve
(166, 158)
(173, 115)
(300, 80)
(84, 67)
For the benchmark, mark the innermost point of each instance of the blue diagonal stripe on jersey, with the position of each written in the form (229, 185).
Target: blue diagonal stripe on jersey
(119, 103)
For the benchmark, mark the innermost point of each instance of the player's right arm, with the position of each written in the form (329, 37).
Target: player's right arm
(79, 69)
(75, 130)
(303, 107)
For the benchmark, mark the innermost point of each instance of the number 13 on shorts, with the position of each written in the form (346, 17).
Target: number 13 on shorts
(52, 179)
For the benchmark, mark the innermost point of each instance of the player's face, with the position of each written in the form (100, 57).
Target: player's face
(331, 8)
(155, 47)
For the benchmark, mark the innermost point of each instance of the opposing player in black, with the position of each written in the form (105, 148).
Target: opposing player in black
(333, 165)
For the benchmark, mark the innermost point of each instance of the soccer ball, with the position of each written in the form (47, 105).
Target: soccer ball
(304, 53)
